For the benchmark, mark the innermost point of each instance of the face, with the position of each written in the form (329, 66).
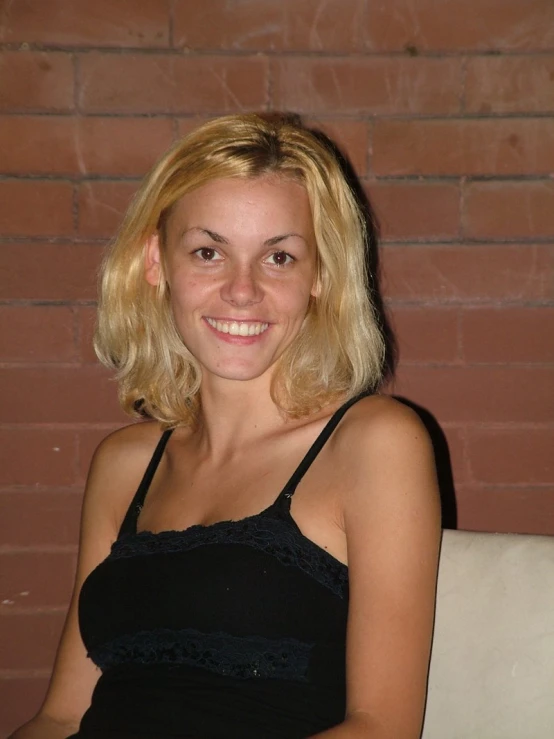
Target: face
(240, 262)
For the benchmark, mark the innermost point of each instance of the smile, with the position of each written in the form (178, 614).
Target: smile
(238, 328)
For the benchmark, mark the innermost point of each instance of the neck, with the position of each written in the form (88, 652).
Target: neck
(235, 415)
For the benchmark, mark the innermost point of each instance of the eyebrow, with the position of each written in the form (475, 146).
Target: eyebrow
(219, 239)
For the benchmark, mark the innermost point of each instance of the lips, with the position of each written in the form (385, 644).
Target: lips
(238, 328)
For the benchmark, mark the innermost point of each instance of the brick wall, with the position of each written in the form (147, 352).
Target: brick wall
(446, 111)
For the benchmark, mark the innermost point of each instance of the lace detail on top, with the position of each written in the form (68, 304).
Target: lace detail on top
(233, 656)
(270, 535)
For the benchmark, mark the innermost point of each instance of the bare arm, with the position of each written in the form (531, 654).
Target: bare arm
(114, 474)
(392, 525)
(43, 727)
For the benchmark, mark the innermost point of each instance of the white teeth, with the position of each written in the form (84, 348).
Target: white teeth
(236, 328)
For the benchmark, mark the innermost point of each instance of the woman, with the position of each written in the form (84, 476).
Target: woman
(235, 309)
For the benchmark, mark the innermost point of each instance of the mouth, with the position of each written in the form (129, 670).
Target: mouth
(238, 328)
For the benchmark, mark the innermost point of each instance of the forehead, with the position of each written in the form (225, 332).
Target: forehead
(237, 199)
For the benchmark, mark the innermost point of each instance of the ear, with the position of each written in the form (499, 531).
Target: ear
(152, 262)
(315, 292)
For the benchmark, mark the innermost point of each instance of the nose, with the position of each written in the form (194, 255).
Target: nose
(241, 288)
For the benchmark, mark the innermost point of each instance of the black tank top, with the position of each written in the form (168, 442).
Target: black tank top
(235, 629)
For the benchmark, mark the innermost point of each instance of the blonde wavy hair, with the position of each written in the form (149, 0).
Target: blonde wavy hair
(339, 349)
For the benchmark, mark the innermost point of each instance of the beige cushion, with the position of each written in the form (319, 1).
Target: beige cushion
(492, 663)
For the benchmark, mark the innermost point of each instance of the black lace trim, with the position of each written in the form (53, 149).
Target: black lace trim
(270, 535)
(239, 657)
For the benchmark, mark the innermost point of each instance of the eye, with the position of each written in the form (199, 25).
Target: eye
(280, 258)
(207, 254)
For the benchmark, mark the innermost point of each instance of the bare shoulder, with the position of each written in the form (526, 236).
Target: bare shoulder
(127, 445)
(387, 455)
(379, 423)
(119, 463)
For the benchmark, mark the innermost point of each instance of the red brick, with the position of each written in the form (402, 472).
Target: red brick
(186, 125)
(510, 84)
(514, 455)
(38, 145)
(135, 83)
(138, 23)
(471, 147)
(425, 334)
(369, 86)
(36, 457)
(126, 147)
(464, 274)
(36, 334)
(36, 81)
(88, 440)
(20, 699)
(131, 83)
(426, 25)
(508, 334)
(86, 317)
(288, 25)
(36, 208)
(36, 579)
(102, 205)
(49, 271)
(509, 210)
(351, 137)
(28, 641)
(517, 510)
(40, 519)
(480, 393)
(413, 210)
(61, 145)
(58, 395)
(220, 84)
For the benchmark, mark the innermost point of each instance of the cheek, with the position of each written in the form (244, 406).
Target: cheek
(183, 288)
(189, 297)
(297, 295)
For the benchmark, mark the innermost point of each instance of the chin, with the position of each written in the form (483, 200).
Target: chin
(239, 374)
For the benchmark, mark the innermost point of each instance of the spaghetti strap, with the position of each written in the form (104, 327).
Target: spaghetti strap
(129, 524)
(290, 488)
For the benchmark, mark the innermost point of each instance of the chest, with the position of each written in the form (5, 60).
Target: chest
(186, 492)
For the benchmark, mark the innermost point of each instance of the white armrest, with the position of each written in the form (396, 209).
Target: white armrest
(492, 663)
